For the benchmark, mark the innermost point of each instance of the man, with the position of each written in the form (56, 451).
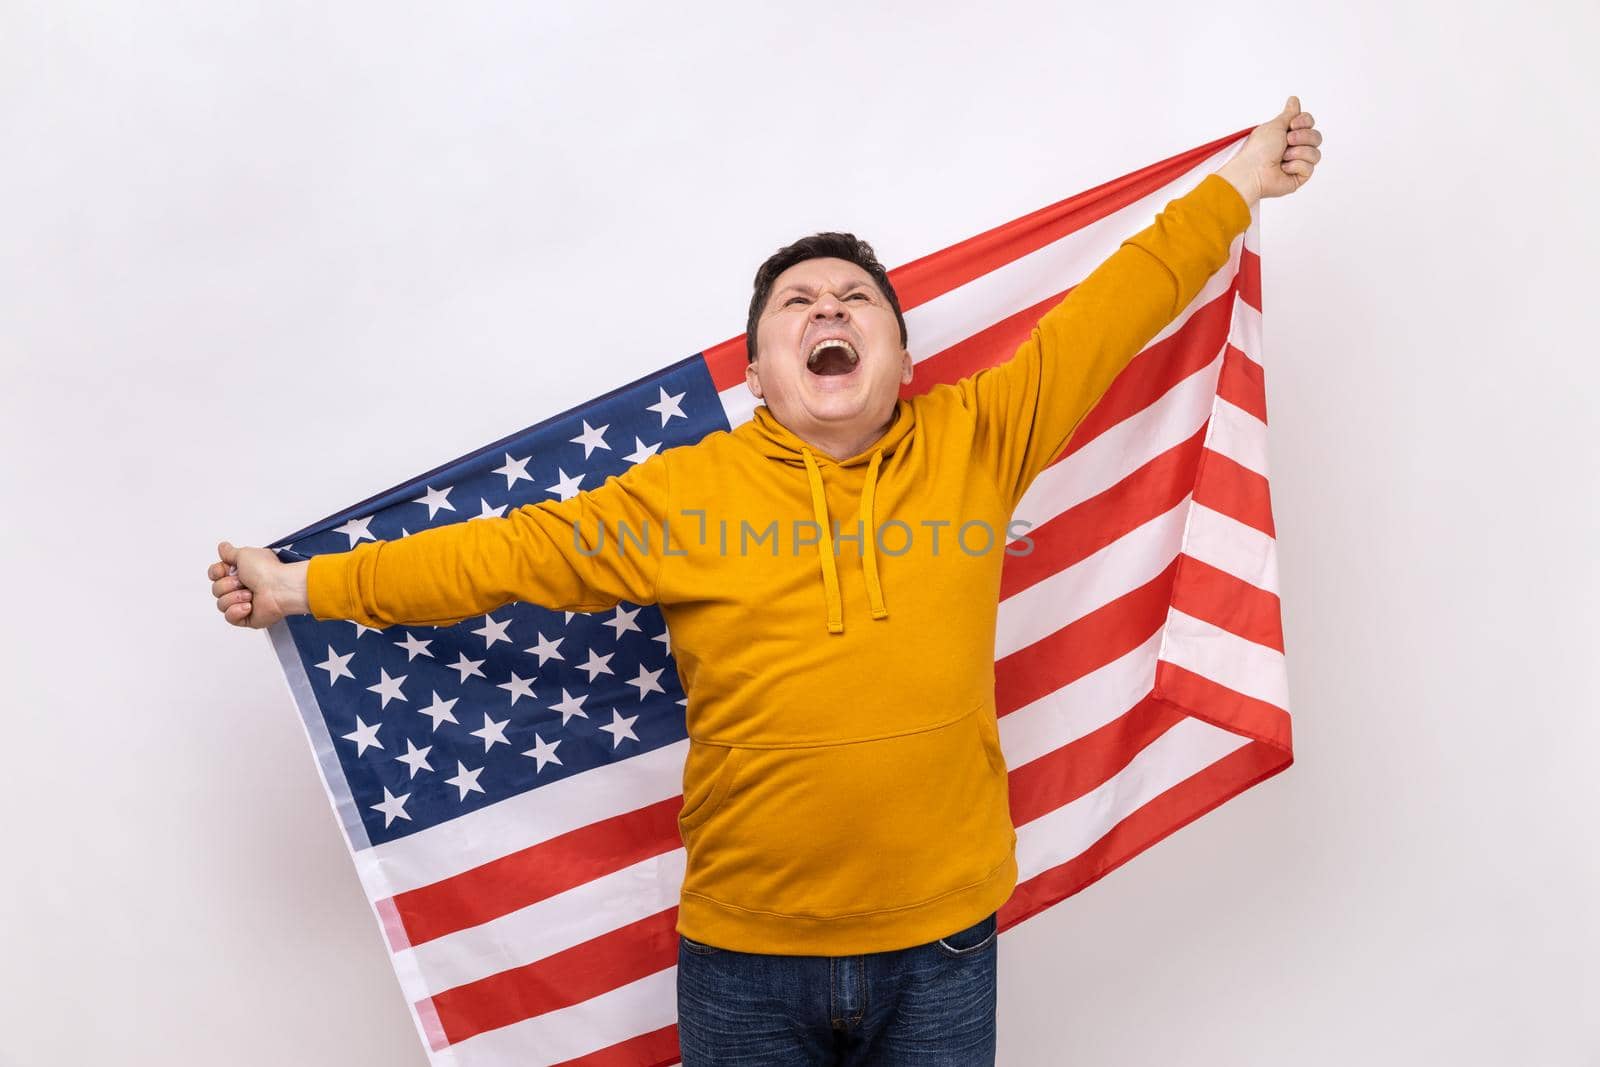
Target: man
(830, 572)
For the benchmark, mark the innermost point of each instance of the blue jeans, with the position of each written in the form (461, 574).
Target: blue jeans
(932, 1005)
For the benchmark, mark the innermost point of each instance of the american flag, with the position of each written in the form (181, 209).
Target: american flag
(509, 786)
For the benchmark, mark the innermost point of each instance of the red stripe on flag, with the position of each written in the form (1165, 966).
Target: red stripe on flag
(726, 362)
(1242, 383)
(1228, 602)
(1209, 701)
(1235, 490)
(1250, 278)
(536, 873)
(571, 976)
(658, 1048)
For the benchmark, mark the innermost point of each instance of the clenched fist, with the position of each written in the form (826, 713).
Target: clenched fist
(254, 588)
(1278, 157)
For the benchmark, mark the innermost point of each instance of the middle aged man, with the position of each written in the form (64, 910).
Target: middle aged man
(833, 613)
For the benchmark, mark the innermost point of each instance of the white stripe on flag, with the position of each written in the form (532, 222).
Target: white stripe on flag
(1239, 435)
(1232, 546)
(1227, 659)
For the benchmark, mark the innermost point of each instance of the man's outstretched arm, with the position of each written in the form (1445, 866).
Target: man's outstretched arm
(550, 554)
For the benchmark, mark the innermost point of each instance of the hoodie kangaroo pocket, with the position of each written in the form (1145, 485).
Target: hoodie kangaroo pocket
(854, 827)
(708, 772)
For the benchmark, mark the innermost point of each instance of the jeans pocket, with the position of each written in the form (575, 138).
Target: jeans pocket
(696, 947)
(973, 939)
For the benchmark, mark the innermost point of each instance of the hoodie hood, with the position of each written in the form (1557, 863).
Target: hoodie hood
(776, 441)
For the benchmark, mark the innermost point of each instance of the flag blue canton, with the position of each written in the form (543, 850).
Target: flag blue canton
(430, 723)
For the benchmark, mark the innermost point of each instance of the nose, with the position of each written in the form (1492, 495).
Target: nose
(828, 306)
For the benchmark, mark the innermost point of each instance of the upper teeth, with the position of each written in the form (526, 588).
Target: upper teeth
(832, 342)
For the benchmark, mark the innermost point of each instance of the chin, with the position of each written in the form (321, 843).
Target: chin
(836, 408)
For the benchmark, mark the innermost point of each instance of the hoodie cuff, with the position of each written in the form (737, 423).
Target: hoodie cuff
(330, 587)
(1228, 203)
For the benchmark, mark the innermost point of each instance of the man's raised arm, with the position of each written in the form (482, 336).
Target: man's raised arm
(1028, 407)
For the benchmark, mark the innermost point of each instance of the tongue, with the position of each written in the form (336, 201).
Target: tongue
(832, 361)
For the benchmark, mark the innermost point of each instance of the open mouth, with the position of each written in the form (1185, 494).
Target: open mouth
(832, 356)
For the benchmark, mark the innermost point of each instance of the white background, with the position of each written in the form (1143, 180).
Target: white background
(257, 266)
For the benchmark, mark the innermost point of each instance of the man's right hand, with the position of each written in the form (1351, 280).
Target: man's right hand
(254, 588)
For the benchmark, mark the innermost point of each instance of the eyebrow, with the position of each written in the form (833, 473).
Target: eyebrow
(798, 288)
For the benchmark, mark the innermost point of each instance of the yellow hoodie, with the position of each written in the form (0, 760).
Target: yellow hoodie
(844, 790)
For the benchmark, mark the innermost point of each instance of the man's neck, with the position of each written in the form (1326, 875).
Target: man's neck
(842, 445)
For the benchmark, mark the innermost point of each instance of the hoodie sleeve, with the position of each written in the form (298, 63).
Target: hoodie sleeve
(1028, 407)
(552, 554)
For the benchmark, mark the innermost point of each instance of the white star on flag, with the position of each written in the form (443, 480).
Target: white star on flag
(590, 438)
(641, 451)
(668, 407)
(364, 736)
(393, 807)
(388, 688)
(336, 666)
(467, 667)
(518, 687)
(356, 529)
(466, 781)
(493, 631)
(415, 647)
(415, 758)
(493, 733)
(620, 727)
(623, 621)
(546, 649)
(569, 706)
(514, 469)
(543, 751)
(597, 664)
(440, 711)
(566, 488)
(647, 682)
(436, 499)
(490, 512)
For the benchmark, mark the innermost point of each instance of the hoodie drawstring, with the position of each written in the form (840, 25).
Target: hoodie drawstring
(830, 570)
(869, 554)
(870, 539)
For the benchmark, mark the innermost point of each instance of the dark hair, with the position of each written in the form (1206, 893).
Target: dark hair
(846, 246)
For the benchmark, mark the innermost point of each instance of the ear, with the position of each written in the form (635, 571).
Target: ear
(905, 369)
(752, 380)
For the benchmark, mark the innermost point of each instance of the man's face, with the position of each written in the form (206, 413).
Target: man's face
(829, 360)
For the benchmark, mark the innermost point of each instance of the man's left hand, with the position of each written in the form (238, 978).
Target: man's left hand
(1278, 157)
